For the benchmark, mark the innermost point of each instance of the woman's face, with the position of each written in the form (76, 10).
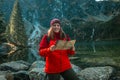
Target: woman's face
(56, 27)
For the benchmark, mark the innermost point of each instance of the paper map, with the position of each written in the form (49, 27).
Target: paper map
(61, 44)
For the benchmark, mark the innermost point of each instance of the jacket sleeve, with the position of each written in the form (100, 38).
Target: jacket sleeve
(70, 52)
(44, 49)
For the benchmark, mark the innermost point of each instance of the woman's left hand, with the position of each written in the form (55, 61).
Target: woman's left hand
(72, 48)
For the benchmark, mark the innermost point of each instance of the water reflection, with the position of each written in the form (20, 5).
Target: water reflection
(97, 53)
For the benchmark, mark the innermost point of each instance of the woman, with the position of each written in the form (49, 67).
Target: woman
(57, 61)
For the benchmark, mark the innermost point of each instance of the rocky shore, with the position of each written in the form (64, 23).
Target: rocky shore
(21, 70)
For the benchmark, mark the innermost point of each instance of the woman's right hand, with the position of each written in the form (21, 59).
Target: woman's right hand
(52, 47)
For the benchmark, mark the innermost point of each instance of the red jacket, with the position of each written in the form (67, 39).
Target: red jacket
(56, 61)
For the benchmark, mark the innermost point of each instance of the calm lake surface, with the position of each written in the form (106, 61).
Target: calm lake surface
(99, 53)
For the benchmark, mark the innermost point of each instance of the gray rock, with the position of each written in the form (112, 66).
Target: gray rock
(97, 73)
(13, 66)
(2, 77)
(36, 71)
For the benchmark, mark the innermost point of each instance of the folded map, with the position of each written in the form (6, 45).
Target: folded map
(62, 45)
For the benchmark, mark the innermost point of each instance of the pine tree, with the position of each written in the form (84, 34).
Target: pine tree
(15, 30)
(2, 28)
(2, 23)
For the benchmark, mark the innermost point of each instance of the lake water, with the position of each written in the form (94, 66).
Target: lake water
(99, 53)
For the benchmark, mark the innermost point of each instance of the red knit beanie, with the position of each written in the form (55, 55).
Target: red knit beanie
(55, 20)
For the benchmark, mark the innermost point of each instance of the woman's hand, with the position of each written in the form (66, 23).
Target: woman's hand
(72, 48)
(52, 47)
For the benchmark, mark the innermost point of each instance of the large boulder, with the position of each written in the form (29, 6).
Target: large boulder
(97, 73)
(14, 66)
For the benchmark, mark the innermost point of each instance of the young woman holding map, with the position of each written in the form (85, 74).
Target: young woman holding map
(57, 60)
